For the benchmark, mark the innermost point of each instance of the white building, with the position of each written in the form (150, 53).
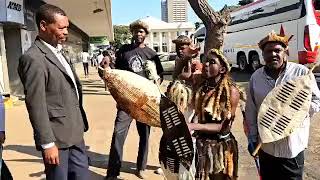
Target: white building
(174, 10)
(162, 33)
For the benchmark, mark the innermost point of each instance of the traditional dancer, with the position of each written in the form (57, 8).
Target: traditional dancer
(215, 102)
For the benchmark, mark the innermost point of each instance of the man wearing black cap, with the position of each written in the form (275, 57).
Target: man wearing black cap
(132, 57)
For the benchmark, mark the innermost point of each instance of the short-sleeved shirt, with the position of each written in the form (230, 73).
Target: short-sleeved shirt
(132, 58)
(85, 57)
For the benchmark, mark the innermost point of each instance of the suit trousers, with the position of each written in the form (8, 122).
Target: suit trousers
(73, 164)
(272, 168)
(121, 127)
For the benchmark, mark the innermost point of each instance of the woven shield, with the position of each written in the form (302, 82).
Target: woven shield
(136, 95)
(285, 108)
(176, 145)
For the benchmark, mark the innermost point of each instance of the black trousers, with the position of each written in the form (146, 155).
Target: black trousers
(73, 164)
(121, 127)
(86, 68)
(272, 168)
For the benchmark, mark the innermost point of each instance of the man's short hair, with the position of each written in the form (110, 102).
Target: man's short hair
(47, 12)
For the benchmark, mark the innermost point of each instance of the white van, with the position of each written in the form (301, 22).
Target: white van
(250, 23)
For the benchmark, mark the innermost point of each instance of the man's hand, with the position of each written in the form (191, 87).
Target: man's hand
(51, 155)
(2, 137)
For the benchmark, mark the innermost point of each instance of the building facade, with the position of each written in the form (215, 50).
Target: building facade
(162, 33)
(174, 11)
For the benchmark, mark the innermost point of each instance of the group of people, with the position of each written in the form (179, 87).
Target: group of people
(54, 102)
(96, 59)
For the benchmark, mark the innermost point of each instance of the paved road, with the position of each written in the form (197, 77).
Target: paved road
(26, 164)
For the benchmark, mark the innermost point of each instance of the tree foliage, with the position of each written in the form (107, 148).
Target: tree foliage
(245, 2)
(122, 35)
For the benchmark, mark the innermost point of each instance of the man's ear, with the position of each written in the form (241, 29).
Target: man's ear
(43, 25)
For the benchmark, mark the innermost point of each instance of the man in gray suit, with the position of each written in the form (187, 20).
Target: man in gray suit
(54, 99)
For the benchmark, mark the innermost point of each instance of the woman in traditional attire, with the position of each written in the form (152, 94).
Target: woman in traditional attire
(215, 102)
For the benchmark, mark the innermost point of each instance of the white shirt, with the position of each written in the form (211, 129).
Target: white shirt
(260, 85)
(100, 58)
(66, 65)
(85, 57)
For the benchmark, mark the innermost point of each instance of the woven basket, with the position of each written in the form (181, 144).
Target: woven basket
(136, 95)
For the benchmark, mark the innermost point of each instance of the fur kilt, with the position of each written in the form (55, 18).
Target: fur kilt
(217, 159)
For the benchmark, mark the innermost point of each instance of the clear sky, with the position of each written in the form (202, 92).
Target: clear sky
(126, 11)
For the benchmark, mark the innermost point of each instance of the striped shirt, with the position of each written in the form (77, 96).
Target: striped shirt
(259, 86)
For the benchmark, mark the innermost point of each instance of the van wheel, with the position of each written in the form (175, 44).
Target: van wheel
(255, 62)
(242, 62)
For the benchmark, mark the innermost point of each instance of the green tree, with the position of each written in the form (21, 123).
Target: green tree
(245, 2)
(121, 35)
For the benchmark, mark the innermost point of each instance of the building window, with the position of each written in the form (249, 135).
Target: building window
(154, 34)
(156, 47)
(178, 33)
(164, 47)
(163, 35)
(187, 33)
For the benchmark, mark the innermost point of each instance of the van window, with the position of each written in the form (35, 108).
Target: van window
(262, 14)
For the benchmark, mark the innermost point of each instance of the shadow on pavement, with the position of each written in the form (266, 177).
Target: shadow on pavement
(31, 150)
(101, 161)
(95, 160)
(92, 175)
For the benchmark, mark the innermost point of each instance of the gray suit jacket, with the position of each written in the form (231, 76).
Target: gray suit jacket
(55, 112)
